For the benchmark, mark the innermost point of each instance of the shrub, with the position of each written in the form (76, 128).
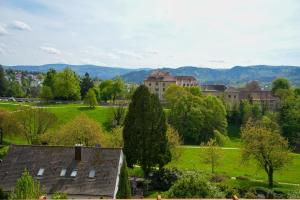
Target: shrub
(3, 151)
(59, 195)
(27, 187)
(124, 191)
(193, 185)
(164, 178)
(295, 194)
(250, 195)
(228, 190)
(217, 178)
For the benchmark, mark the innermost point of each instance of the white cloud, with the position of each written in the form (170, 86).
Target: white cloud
(129, 54)
(3, 30)
(19, 25)
(50, 50)
(1, 51)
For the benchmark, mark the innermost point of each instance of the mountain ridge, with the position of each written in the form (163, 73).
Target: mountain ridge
(231, 76)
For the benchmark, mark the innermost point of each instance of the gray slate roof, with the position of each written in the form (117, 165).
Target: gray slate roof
(53, 159)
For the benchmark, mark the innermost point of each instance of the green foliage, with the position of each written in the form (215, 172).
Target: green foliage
(193, 185)
(220, 138)
(295, 194)
(195, 117)
(66, 85)
(124, 191)
(86, 83)
(112, 89)
(212, 154)
(46, 93)
(144, 134)
(14, 90)
(266, 146)
(50, 79)
(164, 178)
(27, 187)
(115, 138)
(81, 130)
(3, 82)
(90, 98)
(33, 122)
(3, 152)
(59, 195)
(290, 121)
(280, 84)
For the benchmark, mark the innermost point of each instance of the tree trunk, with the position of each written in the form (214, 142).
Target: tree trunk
(270, 177)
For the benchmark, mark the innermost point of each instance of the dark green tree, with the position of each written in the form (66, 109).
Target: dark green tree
(124, 191)
(144, 134)
(85, 84)
(50, 79)
(281, 87)
(290, 121)
(3, 82)
(106, 90)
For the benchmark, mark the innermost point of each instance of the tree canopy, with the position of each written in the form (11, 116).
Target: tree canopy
(144, 134)
(66, 85)
(266, 146)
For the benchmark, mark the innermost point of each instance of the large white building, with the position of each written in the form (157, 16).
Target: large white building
(158, 81)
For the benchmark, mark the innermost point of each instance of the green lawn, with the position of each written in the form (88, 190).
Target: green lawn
(67, 112)
(230, 164)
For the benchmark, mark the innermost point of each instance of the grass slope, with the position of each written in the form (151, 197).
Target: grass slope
(230, 164)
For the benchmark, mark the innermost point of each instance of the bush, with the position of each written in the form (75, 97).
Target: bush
(193, 185)
(295, 194)
(250, 195)
(3, 151)
(217, 178)
(229, 191)
(59, 195)
(163, 179)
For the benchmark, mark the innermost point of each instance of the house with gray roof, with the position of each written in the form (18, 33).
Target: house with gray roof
(80, 172)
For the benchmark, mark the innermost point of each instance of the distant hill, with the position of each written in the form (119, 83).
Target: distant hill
(237, 75)
(93, 70)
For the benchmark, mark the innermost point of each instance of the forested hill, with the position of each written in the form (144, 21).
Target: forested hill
(234, 76)
(237, 75)
(93, 70)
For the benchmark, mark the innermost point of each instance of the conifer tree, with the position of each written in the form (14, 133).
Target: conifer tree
(144, 134)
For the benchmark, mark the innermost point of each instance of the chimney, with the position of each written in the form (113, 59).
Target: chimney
(78, 148)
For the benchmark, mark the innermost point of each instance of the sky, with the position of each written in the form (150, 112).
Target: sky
(150, 33)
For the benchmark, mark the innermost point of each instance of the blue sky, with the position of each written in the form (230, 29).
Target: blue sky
(150, 33)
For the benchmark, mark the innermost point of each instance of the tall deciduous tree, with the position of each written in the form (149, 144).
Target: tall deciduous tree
(33, 122)
(85, 84)
(66, 85)
(90, 98)
(145, 140)
(3, 82)
(266, 146)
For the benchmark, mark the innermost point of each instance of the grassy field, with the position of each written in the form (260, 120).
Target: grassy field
(67, 112)
(230, 164)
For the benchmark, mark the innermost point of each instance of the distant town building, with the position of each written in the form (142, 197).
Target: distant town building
(80, 172)
(252, 92)
(158, 81)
